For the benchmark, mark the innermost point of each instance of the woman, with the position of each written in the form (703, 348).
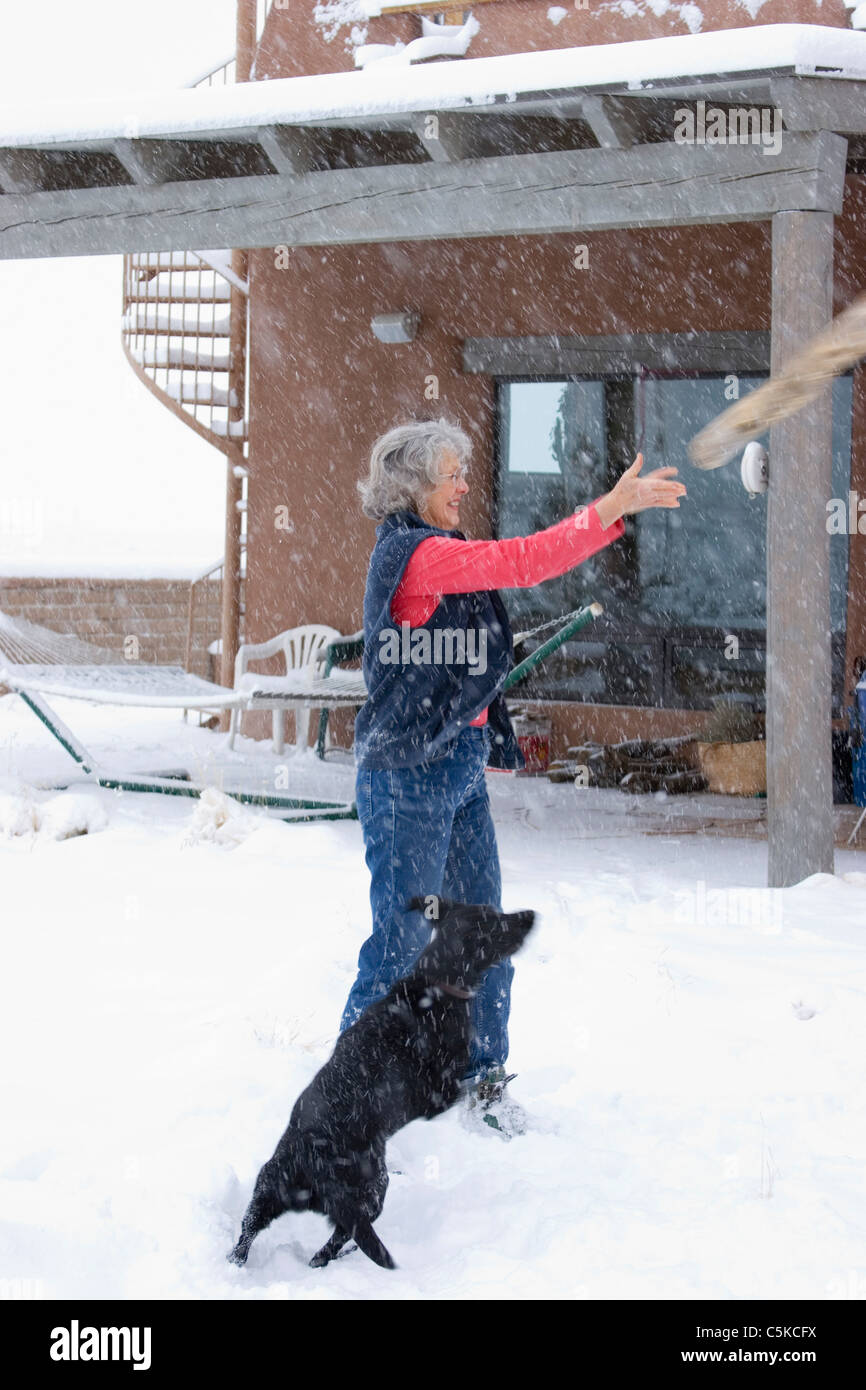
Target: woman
(438, 647)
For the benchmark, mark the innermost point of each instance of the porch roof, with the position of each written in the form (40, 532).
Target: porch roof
(730, 61)
(557, 140)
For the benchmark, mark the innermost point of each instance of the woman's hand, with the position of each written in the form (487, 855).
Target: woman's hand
(635, 494)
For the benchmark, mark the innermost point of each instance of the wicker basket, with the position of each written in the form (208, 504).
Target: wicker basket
(737, 769)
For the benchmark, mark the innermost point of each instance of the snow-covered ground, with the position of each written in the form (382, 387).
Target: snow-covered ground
(689, 1046)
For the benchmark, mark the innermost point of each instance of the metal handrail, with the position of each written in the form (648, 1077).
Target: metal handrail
(208, 615)
(189, 370)
(195, 590)
(450, 11)
(224, 73)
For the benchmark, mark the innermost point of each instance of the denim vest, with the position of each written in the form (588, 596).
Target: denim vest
(427, 683)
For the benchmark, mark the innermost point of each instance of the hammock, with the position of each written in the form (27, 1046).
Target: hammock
(22, 642)
(571, 623)
(35, 661)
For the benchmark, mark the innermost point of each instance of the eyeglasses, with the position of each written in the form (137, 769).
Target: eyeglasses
(459, 474)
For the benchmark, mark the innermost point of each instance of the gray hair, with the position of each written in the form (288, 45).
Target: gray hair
(404, 466)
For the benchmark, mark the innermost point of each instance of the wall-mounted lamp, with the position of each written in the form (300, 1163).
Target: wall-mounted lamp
(755, 468)
(396, 328)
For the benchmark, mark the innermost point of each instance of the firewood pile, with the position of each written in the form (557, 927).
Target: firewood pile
(635, 765)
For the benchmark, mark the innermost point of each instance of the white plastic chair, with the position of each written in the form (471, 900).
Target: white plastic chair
(303, 648)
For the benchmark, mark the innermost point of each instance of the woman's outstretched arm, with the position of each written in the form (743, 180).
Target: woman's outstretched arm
(445, 565)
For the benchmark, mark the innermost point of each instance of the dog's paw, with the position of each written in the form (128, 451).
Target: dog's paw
(321, 1259)
(237, 1256)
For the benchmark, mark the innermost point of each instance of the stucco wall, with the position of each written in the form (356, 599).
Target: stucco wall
(322, 387)
(110, 612)
(294, 43)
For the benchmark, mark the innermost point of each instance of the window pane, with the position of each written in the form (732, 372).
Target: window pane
(601, 673)
(700, 566)
(706, 562)
(554, 460)
(699, 673)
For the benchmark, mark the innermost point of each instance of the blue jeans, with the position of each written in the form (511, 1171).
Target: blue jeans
(428, 829)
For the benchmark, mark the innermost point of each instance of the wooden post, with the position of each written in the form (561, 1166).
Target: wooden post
(245, 48)
(245, 39)
(799, 758)
(231, 575)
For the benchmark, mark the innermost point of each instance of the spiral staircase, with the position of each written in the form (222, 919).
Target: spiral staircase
(185, 333)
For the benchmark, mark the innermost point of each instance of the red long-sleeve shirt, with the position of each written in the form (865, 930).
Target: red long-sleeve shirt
(445, 565)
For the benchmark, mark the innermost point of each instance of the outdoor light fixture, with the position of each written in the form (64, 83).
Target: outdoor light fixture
(755, 468)
(396, 328)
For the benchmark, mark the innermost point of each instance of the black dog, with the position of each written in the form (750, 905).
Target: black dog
(402, 1060)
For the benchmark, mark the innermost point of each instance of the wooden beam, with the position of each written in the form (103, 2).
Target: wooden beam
(445, 136)
(615, 123)
(799, 761)
(713, 352)
(291, 149)
(815, 103)
(20, 171)
(148, 162)
(565, 191)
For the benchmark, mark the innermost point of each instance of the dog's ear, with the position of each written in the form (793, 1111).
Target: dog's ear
(525, 920)
(520, 924)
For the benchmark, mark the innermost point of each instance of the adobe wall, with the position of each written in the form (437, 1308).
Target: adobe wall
(106, 612)
(294, 43)
(323, 388)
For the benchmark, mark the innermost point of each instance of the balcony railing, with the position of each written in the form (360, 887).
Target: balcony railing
(452, 14)
(225, 73)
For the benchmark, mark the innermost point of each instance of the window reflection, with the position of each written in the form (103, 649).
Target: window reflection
(679, 581)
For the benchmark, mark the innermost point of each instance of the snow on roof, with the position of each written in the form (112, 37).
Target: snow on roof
(803, 48)
(437, 41)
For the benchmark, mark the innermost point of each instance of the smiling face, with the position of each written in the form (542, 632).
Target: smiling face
(442, 507)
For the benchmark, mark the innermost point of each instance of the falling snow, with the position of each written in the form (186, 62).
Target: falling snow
(688, 1042)
(688, 1045)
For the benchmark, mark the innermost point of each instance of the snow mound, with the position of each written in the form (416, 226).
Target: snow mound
(219, 820)
(71, 813)
(59, 818)
(18, 815)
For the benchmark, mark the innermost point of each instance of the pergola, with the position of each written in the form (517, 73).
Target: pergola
(577, 140)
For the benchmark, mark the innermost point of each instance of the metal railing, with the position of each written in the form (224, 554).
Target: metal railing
(175, 331)
(204, 614)
(225, 73)
(435, 9)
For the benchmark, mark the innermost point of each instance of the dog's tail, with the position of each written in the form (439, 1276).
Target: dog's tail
(371, 1245)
